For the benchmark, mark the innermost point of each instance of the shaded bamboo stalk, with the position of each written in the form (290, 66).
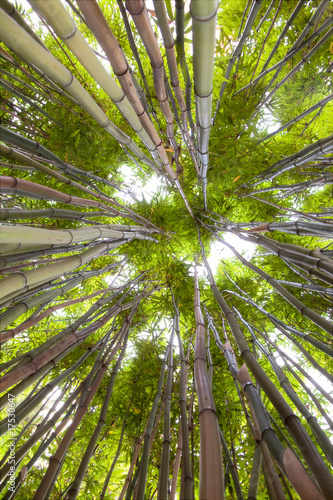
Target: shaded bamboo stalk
(318, 432)
(165, 454)
(75, 486)
(211, 468)
(299, 227)
(284, 458)
(187, 475)
(146, 444)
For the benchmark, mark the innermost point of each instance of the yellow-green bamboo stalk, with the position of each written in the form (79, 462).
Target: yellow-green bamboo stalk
(23, 44)
(24, 238)
(24, 280)
(204, 13)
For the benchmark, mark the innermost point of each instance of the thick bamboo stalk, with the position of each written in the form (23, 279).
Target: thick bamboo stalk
(211, 468)
(14, 13)
(204, 14)
(57, 17)
(49, 213)
(36, 165)
(107, 40)
(303, 484)
(318, 432)
(25, 280)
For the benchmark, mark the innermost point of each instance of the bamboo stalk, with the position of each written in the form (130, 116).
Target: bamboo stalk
(256, 5)
(53, 470)
(109, 474)
(211, 468)
(146, 444)
(187, 467)
(57, 17)
(165, 454)
(140, 17)
(204, 14)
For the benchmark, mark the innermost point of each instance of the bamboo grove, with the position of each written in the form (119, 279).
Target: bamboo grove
(166, 249)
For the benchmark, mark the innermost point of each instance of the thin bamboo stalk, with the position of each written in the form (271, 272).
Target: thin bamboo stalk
(305, 311)
(146, 444)
(109, 474)
(62, 347)
(165, 454)
(256, 5)
(187, 467)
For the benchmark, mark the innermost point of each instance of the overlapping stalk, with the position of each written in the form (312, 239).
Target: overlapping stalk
(139, 13)
(16, 38)
(293, 424)
(53, 469)
(65, 27)
(74, 489)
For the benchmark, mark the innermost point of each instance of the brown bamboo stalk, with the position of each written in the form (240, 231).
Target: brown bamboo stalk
(107, 40)
(141, 20)
(211, 467)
